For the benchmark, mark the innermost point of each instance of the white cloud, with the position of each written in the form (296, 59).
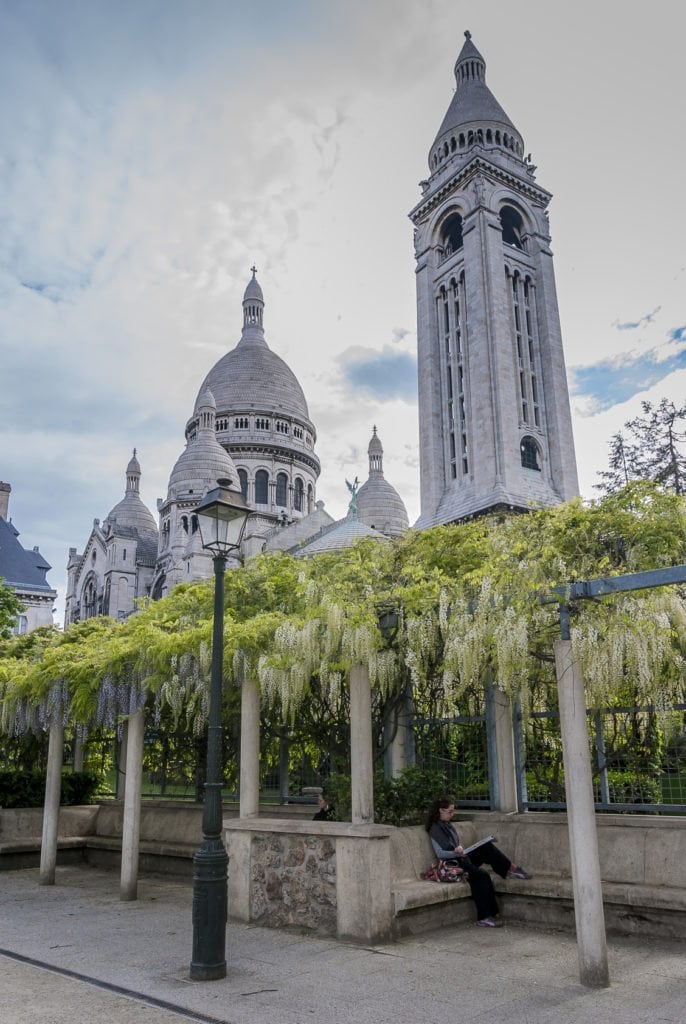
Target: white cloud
(153, 151)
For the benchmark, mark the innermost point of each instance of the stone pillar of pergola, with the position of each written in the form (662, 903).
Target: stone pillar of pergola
(249, 779)
(583, 836)
(51, 806)
(361, 751)
(135, 728)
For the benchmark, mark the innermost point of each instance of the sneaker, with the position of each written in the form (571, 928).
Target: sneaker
(516, 872)
(489, 922)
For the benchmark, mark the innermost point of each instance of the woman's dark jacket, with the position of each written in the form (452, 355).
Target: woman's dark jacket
(444, 839)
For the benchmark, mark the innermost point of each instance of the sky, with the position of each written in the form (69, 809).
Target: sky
(153, 150)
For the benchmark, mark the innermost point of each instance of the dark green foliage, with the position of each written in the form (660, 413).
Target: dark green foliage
(10, 607)
(632, 788)
(22, 789)
(27, 789)
(402, 800)
(79, 788)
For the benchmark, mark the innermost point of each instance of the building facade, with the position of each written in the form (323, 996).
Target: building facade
(25, 572)
(117, 564)
(495, 425)
(250, 424)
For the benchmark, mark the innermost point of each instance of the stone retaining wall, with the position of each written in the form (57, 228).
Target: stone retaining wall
(293, 882)
(329, 877)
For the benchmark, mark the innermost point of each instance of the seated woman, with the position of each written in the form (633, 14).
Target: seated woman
(446, 844)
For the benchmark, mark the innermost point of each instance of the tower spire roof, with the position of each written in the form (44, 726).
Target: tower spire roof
(473, 104)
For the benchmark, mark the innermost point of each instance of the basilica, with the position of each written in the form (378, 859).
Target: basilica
(250, 424)
(495, 426)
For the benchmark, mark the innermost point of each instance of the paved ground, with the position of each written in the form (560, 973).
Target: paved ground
(74, 953)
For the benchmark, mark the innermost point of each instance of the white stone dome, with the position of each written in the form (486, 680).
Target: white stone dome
(131, 512)
(203, 461)
(378, 503)
(251, 375)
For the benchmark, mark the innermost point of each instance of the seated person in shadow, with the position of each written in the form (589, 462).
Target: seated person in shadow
(446, 844)
(326, 812)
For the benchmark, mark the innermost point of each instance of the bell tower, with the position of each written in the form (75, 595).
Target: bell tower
(495, 426)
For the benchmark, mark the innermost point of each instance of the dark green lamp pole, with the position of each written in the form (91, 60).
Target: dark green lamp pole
(222, 515)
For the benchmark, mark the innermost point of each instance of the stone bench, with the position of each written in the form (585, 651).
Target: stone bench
(419, 905)
(364, 882)
(170, 834)
(20, 835)
(642, 867)
(642, 863)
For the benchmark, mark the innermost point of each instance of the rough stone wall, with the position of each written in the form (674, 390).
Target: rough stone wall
(293, 882)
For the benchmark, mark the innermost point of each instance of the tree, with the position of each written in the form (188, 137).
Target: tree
(649, 449)
(10, 607)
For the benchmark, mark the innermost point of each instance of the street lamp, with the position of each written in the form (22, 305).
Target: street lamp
(222, 515)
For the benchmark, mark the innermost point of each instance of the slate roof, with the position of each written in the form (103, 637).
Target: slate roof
(473, 101)
(23, 570)
(341, 534)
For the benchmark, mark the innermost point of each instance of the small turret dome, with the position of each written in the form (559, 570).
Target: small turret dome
(378, 503)
(131, 512)
(204, 460)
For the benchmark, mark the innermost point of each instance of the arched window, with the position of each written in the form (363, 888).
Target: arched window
(531, 456)
(298, 495)
(90, 599)
(243, 478)
(261, 487)
(512, 227)
(451, 234)
(310, 496)
(281, 490)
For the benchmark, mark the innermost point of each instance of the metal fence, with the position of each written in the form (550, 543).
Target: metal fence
(457, 747)
(639, 759)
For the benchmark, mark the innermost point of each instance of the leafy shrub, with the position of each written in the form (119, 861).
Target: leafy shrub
(27, 788)
(402, 800)
(627, 788)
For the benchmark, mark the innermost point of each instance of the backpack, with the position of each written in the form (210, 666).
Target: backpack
(445, 871)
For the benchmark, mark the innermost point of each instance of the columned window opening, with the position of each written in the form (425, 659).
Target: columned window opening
(281, 490)
(261, 487)
(243, 480)
(451, 306)
(524, 320)
(451, 236)
(298, 492)
(90, 600)
(512, 226)
(530, 321)
(531, 455)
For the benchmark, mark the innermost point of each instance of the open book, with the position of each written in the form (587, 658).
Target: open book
(478, 843)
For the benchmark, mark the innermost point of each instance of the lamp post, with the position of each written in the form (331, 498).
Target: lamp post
(222, 515)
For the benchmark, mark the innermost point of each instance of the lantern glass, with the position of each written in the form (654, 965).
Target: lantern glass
(222, 515)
